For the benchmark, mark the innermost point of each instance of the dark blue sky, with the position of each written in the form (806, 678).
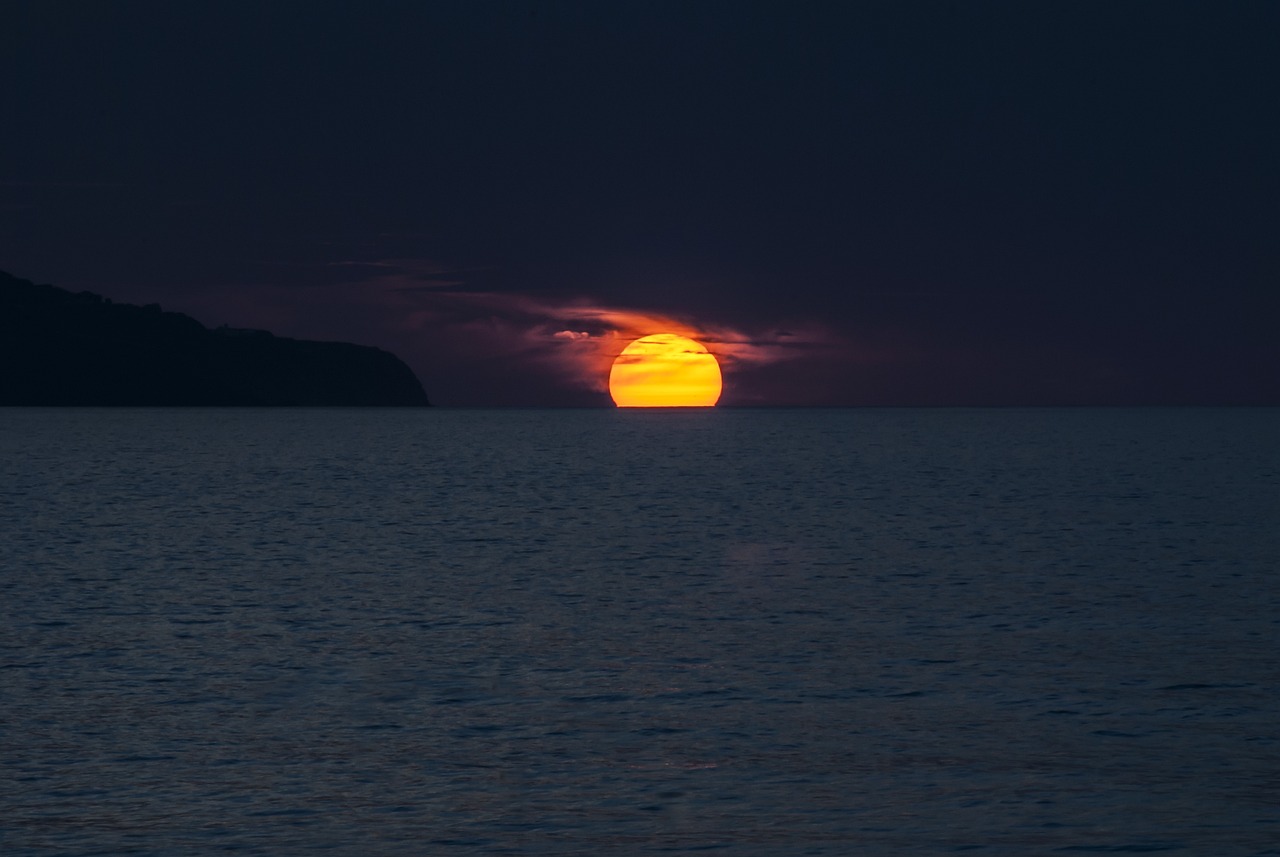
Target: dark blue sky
(872, 203)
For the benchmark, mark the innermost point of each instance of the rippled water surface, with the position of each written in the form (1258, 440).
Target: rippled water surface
(579, 632)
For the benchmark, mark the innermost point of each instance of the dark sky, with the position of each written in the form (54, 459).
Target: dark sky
(851, 203)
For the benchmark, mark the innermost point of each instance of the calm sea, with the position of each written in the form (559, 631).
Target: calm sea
(802, 632)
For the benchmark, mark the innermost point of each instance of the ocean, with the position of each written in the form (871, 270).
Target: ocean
(556, 632)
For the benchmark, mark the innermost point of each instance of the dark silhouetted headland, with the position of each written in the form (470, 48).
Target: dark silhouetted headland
(62, 348)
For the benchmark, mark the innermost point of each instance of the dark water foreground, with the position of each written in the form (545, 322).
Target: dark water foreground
(585, 632)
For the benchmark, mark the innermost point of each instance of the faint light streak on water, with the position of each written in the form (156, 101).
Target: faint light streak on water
(558, 632)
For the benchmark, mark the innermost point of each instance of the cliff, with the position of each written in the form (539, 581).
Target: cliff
(60, 348)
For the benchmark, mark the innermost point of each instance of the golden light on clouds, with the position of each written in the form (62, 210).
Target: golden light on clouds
(573, 342)
(665, 370)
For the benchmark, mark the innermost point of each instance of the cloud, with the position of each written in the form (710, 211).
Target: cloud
(473, 344)
(574, 339)
(410, 275)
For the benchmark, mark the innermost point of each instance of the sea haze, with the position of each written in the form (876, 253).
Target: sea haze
(802, 632)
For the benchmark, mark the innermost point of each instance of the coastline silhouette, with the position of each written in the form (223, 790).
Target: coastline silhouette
(65, 348)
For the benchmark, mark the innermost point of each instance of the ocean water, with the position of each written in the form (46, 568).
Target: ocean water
(755, 632)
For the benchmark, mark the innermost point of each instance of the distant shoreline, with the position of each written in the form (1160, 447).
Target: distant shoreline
(65, 349)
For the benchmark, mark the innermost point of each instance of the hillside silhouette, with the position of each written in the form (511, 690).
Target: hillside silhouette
(64, 348)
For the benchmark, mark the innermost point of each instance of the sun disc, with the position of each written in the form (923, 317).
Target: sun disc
(665, 370)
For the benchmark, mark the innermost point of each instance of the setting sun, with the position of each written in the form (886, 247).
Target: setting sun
(665, 370)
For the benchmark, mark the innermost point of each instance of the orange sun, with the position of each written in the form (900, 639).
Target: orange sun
(665, 370)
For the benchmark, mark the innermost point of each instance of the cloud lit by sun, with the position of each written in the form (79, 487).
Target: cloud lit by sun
(577, 339)
(594, 336)
(440, 320)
